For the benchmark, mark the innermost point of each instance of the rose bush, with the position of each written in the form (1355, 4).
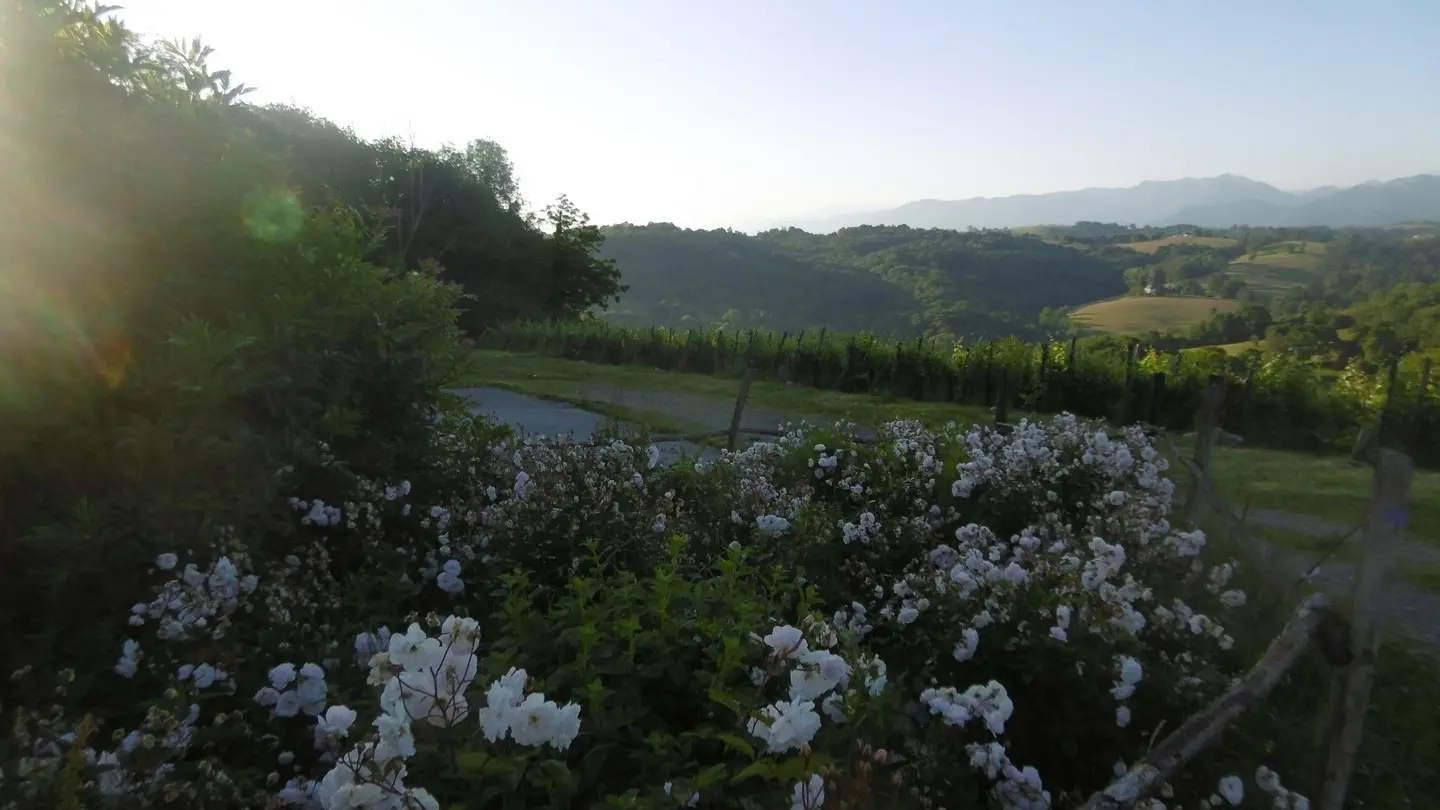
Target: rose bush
(942, 618)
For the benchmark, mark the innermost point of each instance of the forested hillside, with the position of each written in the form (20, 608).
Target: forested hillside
(898, 280)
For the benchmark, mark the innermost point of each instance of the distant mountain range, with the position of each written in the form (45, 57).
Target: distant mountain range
(1209, 202)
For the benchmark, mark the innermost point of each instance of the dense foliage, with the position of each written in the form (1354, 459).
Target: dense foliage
(1276, 401)
(199, 294)
(892, 280)
(942, 619)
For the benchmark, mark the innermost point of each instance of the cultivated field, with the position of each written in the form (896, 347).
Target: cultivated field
(1142, 314)
(1275, 269)
(1204, 241)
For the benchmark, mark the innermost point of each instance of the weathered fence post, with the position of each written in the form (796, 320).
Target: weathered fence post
(1389, 504)
(1002, 402)
(1207, 425)
(1412, 432)
(1385, 430)
(734, 434)
(1157, 393)
(1124, 411)
(1364, 449)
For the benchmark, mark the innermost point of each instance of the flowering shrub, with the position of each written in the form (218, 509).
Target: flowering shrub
(949, 618)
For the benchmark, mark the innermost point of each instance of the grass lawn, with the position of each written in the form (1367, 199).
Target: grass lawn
(1203, 241)
(569, 380)
(1140, 314)
(1326, 487)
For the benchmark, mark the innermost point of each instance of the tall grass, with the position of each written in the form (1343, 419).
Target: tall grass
(1280, 402)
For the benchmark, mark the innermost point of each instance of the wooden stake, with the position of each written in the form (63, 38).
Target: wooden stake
(1207, 425)
(1157, 393)
(1389, 507)
(1413, 433)
(734, 435)
(1002, 401)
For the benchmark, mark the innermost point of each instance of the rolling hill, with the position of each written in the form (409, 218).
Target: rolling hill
(1140, 315)
(1211, 202)
(892, 280)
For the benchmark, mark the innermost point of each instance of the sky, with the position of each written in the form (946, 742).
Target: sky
(728, 114)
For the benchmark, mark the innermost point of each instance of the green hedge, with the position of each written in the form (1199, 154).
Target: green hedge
(1280, 403)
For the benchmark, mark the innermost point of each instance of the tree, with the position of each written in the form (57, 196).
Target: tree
(489, 164)
(580, 279)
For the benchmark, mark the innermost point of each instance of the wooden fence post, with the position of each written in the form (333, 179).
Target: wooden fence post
(1364, 449)
(1385, 431)
(1157, 393)
(1207, 425)
(1412, 433)
(734, 435)
(1126, 407)
(1002, 402)
(1389, 505)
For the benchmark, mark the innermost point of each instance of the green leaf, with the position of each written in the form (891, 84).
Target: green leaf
(725, 700)
(710, 776)
(735, 743)
(472, 762)
(764, 769)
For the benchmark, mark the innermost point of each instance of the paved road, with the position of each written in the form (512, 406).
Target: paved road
(543, 417)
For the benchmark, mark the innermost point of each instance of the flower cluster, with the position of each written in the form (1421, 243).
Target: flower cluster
(1042, 562)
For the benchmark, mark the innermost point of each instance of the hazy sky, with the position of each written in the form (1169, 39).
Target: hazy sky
(712, 114)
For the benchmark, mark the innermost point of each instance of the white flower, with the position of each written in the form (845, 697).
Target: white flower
(1233, 789)
(809, 794)
(787, 642)
(1233, 599)
(288, 705)
(282, 676)
(535, 721)
(501, 700)
(792, 724)
(129, 662)
(652, 456)
(335, 722)
(966, 646)
(397, 738)
(449, 579)
(1122, 716)
(166, 561)
(413, 650)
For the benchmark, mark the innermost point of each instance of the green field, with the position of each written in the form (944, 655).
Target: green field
(578, 382)
(1204, 241)
(1239, 349)
(1142, 314)
(1276, 269)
